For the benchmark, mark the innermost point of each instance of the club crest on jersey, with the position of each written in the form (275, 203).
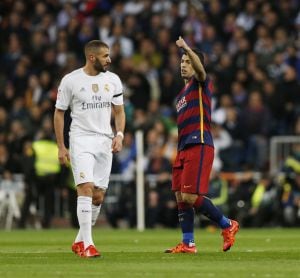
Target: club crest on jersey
(181, 104)
(106, 88)
(82, 175)
(95, 88)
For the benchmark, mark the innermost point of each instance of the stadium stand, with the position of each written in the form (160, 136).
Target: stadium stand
(251, 53)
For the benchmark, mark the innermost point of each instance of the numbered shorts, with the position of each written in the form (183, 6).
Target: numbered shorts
(191, 169)
(91, 159)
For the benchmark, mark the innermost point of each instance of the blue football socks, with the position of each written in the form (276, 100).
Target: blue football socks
(224, 222)
(213, 213)
(186, 221)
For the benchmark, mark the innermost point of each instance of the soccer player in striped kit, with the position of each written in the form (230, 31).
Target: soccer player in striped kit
(191, 169)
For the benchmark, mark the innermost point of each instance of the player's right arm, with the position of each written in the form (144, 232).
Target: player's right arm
(63, 153)
(62, 104)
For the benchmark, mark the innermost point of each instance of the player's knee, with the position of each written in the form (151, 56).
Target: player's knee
(98, 200)
(189, 198)
(178, 197)
(98, 196)
(85, 189)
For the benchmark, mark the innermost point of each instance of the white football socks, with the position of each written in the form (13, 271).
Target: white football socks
(95, 213)
(78, 237)
(84, 215)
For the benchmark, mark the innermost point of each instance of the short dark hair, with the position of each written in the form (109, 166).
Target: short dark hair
(93, 46)
(199, 54)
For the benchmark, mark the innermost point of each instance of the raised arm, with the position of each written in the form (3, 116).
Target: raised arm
(200, 72)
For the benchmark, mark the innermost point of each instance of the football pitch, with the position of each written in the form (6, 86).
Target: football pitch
(129, 253)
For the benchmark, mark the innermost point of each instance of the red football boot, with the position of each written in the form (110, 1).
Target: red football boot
(90, 252)
(182, 248)
(228, 235)
(78, 248)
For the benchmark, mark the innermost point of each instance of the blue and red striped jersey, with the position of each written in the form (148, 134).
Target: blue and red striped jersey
(193, 105)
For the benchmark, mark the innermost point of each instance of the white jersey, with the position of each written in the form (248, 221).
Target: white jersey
(90, 99)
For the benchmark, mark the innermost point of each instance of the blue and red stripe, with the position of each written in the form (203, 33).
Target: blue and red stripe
(194, 117)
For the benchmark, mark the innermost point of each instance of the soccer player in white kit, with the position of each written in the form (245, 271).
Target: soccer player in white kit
(91, 93)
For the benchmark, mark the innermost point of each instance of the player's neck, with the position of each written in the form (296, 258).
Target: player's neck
(187, 80)
(90, 70)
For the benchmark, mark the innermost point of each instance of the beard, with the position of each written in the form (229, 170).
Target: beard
(98, 66)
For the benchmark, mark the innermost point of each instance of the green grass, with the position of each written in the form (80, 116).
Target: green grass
(128, 253)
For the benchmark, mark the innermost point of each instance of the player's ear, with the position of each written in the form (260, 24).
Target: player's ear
(92, 58)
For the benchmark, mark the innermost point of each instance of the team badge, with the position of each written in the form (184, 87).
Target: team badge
(106, 88)
(95, 88)
(82, 176)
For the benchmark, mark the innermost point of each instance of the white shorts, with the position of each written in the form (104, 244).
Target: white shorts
(91, 159)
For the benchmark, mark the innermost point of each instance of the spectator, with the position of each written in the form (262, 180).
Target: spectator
(255, 121)
(140, 92)
(30, 191)
(290, 201)
(274, 99)
(222, 141)
(247, 18)
(263, 203)
(127, 157)
(6, 163)
(291, 99)
(125, 43)
(218, 191)
(224, 74)
(192, 27)
(65, 14)
(16, 138)
(236, 152)
(47, 169)
(293, 59)
(162, 206)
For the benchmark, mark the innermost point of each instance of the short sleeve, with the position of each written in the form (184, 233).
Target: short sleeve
(118, 94)
(64, 95)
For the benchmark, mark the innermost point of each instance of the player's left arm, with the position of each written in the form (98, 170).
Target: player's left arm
(200, 72)
(120, 119)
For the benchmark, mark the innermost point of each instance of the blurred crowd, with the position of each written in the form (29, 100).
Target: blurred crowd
(251, 54)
